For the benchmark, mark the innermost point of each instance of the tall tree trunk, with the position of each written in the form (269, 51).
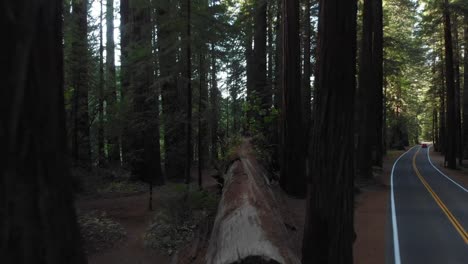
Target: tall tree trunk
(111, 89)
(262, 96)
(214, 105)
(435, 115)
(172, 98)
(306, 88)
(203, 142)
(442, 114)
(435, 138)
(80, 146)
(378, 82)
(145, 158)
(250, 67)
(451, 148)
(278, 57)
(292, 178)
(456, 63)
(277, 91)
(100, 136)
(271, 53)
(328, 235)
(200, 117)
(465, 86)
(125, 32)
(188, 78)
(37, 215)
(368, 91)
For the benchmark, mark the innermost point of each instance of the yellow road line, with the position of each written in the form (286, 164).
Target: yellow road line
(442, 206)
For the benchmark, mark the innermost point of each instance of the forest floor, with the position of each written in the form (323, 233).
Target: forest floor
(123, 211)
(370, 215)
(371, 207)
(116, 225)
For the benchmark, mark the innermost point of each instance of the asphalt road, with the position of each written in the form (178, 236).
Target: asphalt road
(428, 214)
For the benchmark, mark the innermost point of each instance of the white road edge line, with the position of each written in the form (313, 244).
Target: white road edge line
(443, 174)
(396, 242)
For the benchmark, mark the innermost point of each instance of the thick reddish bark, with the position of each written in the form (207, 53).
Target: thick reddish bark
(143, 133)
(262, 95)
(306, 87)
(80, 145)
(465, 87)
(370, 91)
(451, 148)
(328, 234)
(172, 97)
(292, 178)
(37, 216)
(111, 87)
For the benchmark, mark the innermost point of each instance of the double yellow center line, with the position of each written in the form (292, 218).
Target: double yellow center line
(442, 206)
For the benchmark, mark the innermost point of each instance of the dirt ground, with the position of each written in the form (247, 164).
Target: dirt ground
(131, 211)
(370, 219)
(370, 216)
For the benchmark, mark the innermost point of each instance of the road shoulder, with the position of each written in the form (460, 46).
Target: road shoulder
(371, 215)
(460, 175)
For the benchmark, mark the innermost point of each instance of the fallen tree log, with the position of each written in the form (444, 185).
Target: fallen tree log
(248, 227)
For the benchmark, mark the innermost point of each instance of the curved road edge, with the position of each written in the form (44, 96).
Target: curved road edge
(443, 174)
(396, 243)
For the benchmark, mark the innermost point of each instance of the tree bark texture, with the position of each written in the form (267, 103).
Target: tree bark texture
(100, 136)
(465, 86)
(306, 87)
(262, 94)
(292, 178)
(37, 216)
(370, 93)
(214, 105)
(172, 98)
(144, 149)
(80, 145)
(246, 230)
(329, 233)
(456, 64)
(113, 131)
(451, 148)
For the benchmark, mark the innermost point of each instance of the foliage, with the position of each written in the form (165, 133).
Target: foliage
(230, 148)
(183, 211)
(99, 231)
(404, 71)
(123, 187)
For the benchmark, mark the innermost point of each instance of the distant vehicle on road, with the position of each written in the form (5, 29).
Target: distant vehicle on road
(423, 145)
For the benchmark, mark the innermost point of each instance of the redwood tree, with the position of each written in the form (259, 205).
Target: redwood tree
(306, 87)
(292, 178)
(111, 88)
(465, 86)
(173, 99)
(37, 215)
(328, 234)
(80, 144)
(370, 91)
(457, 81)
(262, 95)
(100, 133)
(143, 132)
(451, 148)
